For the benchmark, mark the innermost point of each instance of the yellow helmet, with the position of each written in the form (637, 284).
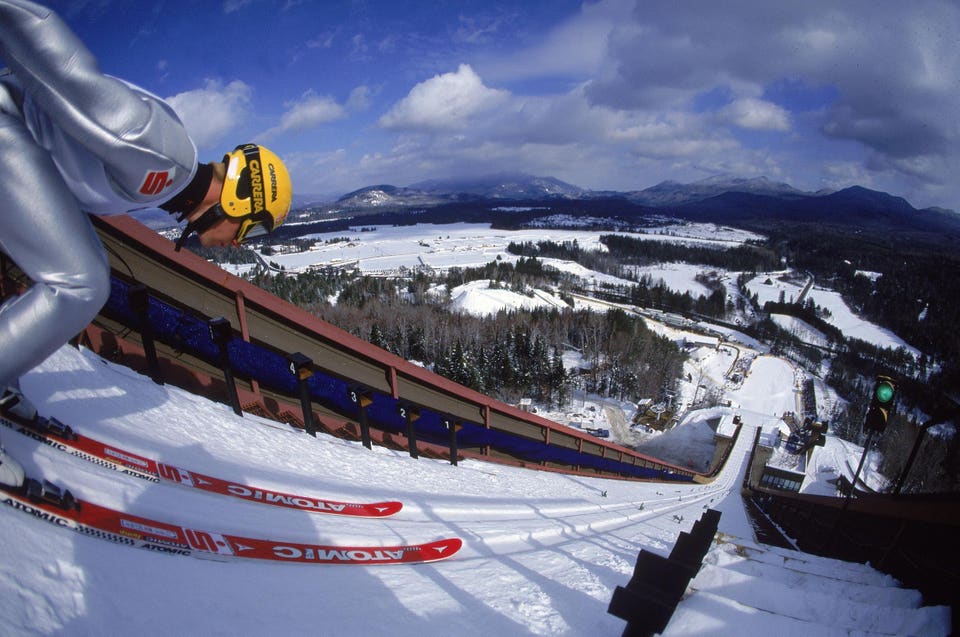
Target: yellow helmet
(256, 190)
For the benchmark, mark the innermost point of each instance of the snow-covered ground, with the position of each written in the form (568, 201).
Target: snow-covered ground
(439, 247)
(702, 234)
(841, 316)
(442, 246)
(542, 555)
(801, 329)
(542, 552)
(676, 276)
(480, 298)
(392, 249)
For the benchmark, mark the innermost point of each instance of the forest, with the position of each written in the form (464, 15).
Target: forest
(510, 355)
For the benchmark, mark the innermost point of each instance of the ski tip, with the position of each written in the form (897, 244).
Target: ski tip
(384, 509)
(443, 549)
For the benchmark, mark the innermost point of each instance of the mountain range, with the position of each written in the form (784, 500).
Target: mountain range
(722, 199)
(524, 187)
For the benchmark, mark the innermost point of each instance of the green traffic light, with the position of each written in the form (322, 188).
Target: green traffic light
(884, 392)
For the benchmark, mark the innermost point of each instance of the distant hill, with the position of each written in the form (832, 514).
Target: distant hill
(670, 193)
(856, 207)
(386, 196)
(500, 186)
(504, 186)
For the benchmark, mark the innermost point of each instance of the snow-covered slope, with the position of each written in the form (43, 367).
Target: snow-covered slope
(543, 552)
(745, 588)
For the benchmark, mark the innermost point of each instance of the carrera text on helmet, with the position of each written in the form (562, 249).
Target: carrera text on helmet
(256, 185)
(273, 182)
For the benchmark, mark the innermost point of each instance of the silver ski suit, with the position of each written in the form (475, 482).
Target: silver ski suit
(72, 141)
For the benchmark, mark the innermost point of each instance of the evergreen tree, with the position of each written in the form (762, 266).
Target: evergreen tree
(376, 336)
(558, 379)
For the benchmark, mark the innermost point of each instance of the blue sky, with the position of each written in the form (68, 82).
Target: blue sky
(609, 94)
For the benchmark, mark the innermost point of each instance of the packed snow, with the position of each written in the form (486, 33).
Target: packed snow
(543, 551)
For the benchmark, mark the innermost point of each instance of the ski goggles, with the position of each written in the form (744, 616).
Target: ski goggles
(255, 225)
(258, 224)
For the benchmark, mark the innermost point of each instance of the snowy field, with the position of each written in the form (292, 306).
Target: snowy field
(841, 316)
(478, 298)
(801, 329)
(440, 247)
(543, 552)
(703, 234)
(676, 276)
(392, 249)
(443, 246)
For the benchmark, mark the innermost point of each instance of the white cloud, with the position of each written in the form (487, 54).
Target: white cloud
(360, 47)
(443, 103)
(756, 114)
(673, 136)
(453, 122)
(306, 113)
(310, 111)
(210, 112)
(480, 29)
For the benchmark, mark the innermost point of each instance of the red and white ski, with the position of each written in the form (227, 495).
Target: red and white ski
(55, 434)
(50, 503)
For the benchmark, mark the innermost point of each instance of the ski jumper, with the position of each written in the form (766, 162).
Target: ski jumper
(72, 141)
